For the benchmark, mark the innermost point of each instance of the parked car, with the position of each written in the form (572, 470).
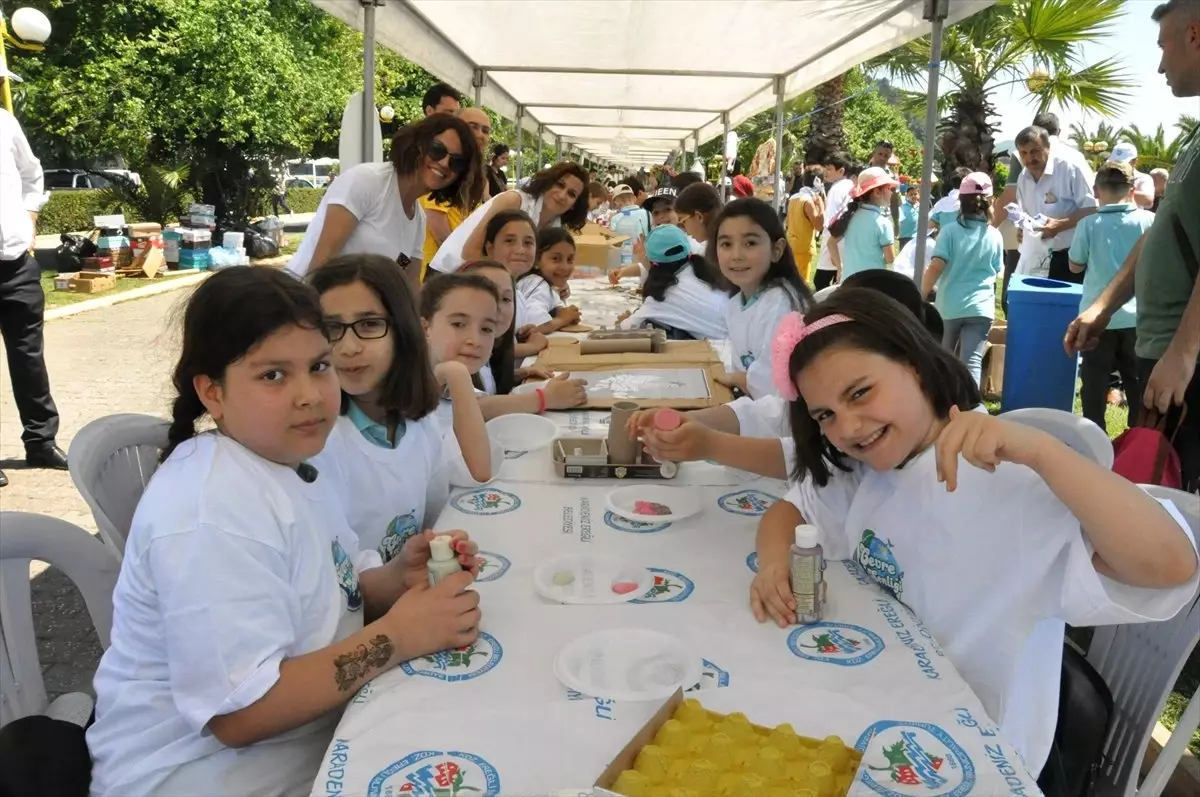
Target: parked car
(303, 182)
(66, 179)
(319, 171)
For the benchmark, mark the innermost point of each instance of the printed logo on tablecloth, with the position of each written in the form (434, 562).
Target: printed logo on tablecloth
(752, 561)
(514, 454)
(459, 664)
(874, 555)
(491, 566)
(486, 502)
(751, 503)
(902, 759)
(669, 587)
(347, 577)
(434, 773)
(835, 643)
(399, 531)
(614, 521)
(711, 677)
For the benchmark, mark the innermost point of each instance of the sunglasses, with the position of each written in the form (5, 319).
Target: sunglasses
(437, 153)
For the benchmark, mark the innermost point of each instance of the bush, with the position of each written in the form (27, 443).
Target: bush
(304, 200)
(71, 211)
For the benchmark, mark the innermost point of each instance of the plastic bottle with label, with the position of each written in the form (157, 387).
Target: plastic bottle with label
(442, 561)
(808, 575)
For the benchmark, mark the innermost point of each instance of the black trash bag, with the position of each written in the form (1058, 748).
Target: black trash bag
(259, 245)
(71, 252)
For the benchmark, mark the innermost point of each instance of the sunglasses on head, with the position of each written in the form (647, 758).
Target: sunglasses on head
(437, 153)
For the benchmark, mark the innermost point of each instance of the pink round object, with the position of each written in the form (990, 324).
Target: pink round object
(624, 587)
(667, 420)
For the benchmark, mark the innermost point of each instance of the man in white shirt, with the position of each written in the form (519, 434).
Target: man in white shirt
(1051, 184)
(1049, 122)
(22, 302)
(1143, 184)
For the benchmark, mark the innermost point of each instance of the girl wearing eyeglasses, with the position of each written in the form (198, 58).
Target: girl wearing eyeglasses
(388, 449)
(373, 208)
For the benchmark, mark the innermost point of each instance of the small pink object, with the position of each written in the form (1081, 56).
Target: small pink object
(667, 420)
(788, 334)
(624, 587)
(650, 508)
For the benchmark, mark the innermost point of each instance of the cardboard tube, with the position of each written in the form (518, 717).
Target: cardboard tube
(615, 346)
(622, 448)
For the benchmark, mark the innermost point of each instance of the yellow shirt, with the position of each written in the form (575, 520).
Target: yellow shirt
(454, 215)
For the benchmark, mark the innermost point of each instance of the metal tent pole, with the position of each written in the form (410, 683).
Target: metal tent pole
(520, 137)
(935, 11)
(724, 160)
(368, 100)
(541, 133)
(775, 192)
(558, 153)
(477, 81)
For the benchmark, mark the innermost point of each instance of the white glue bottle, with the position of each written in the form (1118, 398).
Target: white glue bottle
(442, 561)
(808, 575)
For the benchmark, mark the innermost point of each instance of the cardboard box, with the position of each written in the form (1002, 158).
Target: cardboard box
(62, 282)
(148, 263)
(599, 251)
(625, 759)
(998, 334)
(112, 222)
(92, 282)
(992, 386)
(592, 462)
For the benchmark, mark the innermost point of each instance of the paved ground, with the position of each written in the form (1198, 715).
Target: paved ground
(117, 359)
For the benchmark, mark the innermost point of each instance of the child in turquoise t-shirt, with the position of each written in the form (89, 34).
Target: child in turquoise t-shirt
(968, 256)
(908, 214)
(1101, 244)
(865, 226)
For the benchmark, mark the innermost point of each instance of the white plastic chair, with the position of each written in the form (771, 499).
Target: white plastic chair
(1078, 433)
(111, 461)
(1140, 663)
(25, 537)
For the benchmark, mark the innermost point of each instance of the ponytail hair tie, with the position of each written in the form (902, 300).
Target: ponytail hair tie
(788, 334)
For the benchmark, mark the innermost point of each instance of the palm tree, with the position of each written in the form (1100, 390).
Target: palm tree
(1037, 43)
(1187, 124)
(825, 133)
(1153, 150)
(1087, 141)
(160, 197)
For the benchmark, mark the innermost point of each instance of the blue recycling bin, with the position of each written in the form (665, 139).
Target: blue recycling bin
(1037, 371)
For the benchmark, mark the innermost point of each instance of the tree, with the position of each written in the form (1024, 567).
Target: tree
(1085, 141)
(1154, 151)
(160, 197)
(825, 132)
(1037, 43)
(1187, 124)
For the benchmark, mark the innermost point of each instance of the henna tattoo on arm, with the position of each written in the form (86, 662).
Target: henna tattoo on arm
(352, 667)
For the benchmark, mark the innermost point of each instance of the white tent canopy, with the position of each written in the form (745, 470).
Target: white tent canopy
(657, 72)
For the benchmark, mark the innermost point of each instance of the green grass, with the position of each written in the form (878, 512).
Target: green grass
(62, 298)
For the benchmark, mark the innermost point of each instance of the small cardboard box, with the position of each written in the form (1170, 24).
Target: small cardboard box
(592, 462)
(625, 759)
(92, 282)
(993, 372)
(62, 282)
(998, 334)
(600, 251)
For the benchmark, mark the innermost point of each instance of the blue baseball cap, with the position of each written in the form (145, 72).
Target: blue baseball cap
(667, 244)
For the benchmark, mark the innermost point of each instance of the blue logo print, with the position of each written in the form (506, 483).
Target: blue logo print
(669, 587)
(747, 360)
(900, 755)
(514, 454)
(399, 531)
(752, 562)
(491, 566)
(614, 521)
(835, 643)
(486, 502)
(434, 773)
(347, 577)
(875, 556)
(458, 664)
(711, 677)
(750, 503)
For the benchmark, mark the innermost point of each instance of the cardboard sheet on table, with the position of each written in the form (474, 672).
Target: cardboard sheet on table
(564, 354)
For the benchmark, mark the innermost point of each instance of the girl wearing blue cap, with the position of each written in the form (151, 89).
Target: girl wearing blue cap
(681, 294)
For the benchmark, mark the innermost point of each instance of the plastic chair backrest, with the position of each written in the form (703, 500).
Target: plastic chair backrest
(1140, 663)
(28, 537)
(111, 461)
(1078, 433)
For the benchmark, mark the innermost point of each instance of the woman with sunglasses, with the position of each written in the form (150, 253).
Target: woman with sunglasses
(373, 208)
(554, 197)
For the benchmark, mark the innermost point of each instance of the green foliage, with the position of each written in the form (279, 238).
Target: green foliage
(161, 197)
(1154, 151)
(304, 200)
(999, 178)
(72, 211)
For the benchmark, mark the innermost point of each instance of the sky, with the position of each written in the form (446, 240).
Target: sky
(1135, 42)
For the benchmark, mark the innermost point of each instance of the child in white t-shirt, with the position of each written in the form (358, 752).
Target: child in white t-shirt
(681, 294)
(386, 447)
(245, 615)
(754, 257)
(510, 239)
(460, 316)
(995, 556)
(541, 286)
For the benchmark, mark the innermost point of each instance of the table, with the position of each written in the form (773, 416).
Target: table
(493, 719)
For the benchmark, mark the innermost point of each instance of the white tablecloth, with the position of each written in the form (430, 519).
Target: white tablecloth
(493, 719)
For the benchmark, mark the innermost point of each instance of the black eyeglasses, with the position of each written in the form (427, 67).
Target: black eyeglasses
(364, 329)
(437, 153)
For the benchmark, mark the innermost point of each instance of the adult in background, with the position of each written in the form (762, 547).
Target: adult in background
(1049, 122)
(279, 196)
(373, 208)
(805, 217)
(553, 197)
(1160, 177)
(441, 98)
(22, 302)
(442, 217)
(497, 181)
(1161, 271)
(1055, 186)
(1143, 184)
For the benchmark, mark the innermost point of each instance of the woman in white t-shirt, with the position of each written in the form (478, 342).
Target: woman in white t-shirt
(994, 556)
(553, 197)
(681, 294)
(372, 207)
(387, 448)
(245, 615)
